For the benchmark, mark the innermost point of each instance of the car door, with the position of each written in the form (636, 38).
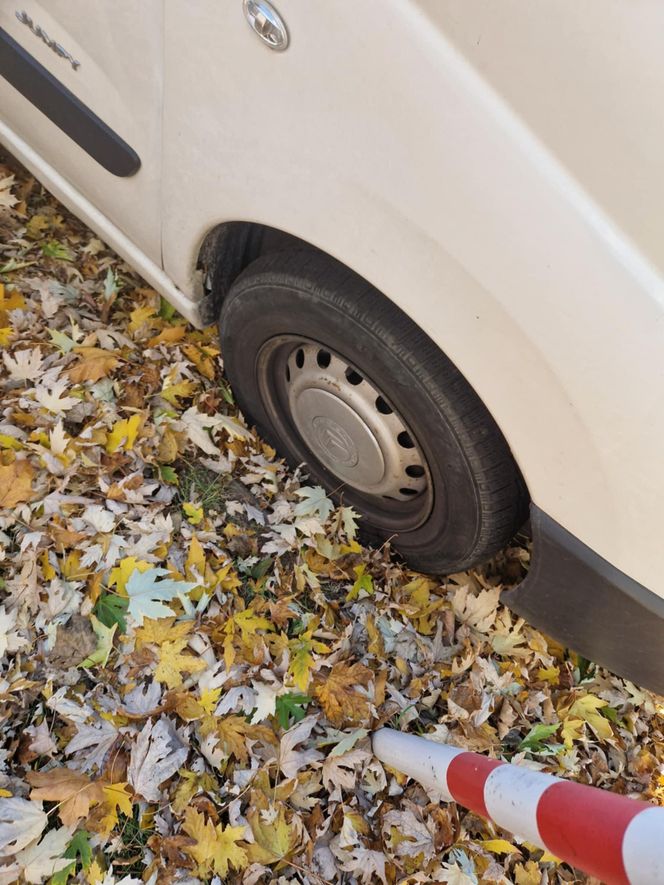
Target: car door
(81, 83)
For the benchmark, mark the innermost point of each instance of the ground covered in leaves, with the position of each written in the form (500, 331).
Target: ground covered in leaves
(194, 648)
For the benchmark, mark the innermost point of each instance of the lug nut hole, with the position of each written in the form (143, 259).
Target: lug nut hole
(405, 441)
(415, 470)
(323, 359)
(353, 377)
(382, 406)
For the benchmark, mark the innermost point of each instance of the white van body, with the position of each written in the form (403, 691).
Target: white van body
(494, 168)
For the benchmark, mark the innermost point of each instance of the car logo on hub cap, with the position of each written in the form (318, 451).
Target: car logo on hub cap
(335, 443)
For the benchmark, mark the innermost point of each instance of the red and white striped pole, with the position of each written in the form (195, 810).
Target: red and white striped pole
(616, 839)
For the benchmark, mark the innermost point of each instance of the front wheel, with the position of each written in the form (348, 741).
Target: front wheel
(336, 377)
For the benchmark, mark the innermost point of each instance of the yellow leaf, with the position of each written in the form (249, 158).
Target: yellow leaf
(141, 316)
(9, 442)
(123, 434)
(6, 333)
(116, 797)
(232, 731)
(172, 664)
(168, 447)
(195, 557)
(194, 514)
(571, 731)
(74, 792)
(202, 361)
(549, 674)
(11, 301)
(168, 335)
(16, 482)
(209, 699)
(249, 622)
(182, 389)
(157, 631)
(338, 696)
(586, 708)
(216, 847)
(302, 659)
(95, 363)
(94, 873)
(124, 570)
(274, 840)
(528, 873)
(499, 846)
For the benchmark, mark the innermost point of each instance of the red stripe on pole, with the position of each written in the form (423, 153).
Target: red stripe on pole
(466, 776)
(586, 826)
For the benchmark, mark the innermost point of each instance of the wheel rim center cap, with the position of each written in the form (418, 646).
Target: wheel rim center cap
(339, 437)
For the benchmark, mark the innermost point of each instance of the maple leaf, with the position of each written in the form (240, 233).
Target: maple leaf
(124, 570)
(338, 696)
(16, 482)
(172, 664)
(216, 847)
(40, 861)
(52, 399)
(156, 756)
(24, 365)
(7, 199)
(148, 595)
(156, 631)
(586, 709)
(95, 363)
(273, 834)
(142, 316)
(302, 660)
(314, 503)
(478, 610)
(116, 797)
(367, 865)
(123, 435)
(74, 792)
(21, 822)
(232, 732)
(292, 760)
(173, 392)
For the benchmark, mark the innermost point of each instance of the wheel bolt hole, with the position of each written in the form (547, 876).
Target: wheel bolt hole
(415, 470)
(299, 358)
(405, 441)
(287, 374)
(323, 359)
(353, 377)
(408, 492)
(382, 406)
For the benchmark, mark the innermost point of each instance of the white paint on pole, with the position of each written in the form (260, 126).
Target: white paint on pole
(511, 796)
(643, 848)
(424, 760)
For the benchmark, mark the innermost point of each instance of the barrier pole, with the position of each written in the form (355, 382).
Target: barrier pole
(617, 839)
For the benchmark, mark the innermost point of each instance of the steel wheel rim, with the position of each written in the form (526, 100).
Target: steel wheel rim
(334, 417)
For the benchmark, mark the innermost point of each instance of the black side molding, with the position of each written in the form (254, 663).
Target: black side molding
(583, 601)
(62, 107)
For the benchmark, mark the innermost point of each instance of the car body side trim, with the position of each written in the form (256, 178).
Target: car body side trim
(582, 600)
(64, 109)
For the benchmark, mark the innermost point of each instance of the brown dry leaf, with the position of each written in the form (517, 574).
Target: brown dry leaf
(16, 483)
(339, 697)
(74, 792)
(94, 364)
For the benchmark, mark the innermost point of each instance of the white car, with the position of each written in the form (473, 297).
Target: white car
(431, 231)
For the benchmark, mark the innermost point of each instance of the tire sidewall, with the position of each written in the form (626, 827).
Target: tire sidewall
(257, 310)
